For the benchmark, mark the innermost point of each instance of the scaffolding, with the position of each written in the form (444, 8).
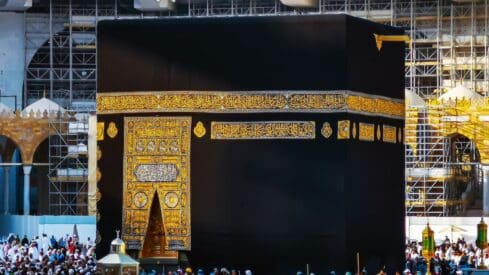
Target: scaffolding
(449, 47)
(443, 165)
(61, 64)
(465, 183)
(426, 160)
(61, 55)
(68, 164)
(450, 39)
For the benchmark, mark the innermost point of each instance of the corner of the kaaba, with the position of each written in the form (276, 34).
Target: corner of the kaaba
(295, 146)
(375, 217)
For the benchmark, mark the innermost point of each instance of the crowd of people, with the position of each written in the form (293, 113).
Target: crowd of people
(449, 258)
(47, 255)
(189, 271)
(67, 255)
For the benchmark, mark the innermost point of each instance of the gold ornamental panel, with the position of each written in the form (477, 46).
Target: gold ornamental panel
(253, 101)
(378, 133)
(343, 129)
(199, 129)
(354, 130)
(389, 134)
(263, 130)
(157, 163)
(112, 130)
(366, 132)
(399, 135)
(326, 130)
(99, 153)
(317, 101)
(100, 131)
(373, 105)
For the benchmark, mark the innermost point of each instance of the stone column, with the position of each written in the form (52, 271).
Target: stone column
(27, 183)
(6, 194)
(485, 190)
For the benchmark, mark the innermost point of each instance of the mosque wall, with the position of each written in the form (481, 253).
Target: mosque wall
(51, 225)
(12, 55)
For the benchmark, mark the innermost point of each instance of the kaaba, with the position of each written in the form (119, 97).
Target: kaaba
(261, 143)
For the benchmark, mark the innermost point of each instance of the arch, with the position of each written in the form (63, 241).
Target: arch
(7, 148)
(474, 130)
(42, 137)
(41, 150)
(36, 56)
(39, 182)
(475, 136)
(9, 175)
(41, 153)
(52, 185)
(60, 88)
(457, 137)
(27, 133)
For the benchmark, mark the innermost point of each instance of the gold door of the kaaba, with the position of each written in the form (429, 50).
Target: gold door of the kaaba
(157, 171)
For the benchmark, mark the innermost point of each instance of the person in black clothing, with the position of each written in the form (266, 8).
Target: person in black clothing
(432, 266)
(444, 267)
(25, 240)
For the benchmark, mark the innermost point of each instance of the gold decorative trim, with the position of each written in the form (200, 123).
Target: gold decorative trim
(249, 102)
(98, 174)
(389, 134)
(372, 105)
(99, 153)
(343, 129)
(380, 38)
(100, 131)
(367, 132)
(98, 195)
(263, 130)
(378, 133)
(112, 130)
(140, 199)
(326, 130)
(171, 199)
(199, 130)
(354, 130)
(154, 142)
(399, 134)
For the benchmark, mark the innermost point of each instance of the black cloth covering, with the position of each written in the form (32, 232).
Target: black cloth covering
(272, 206)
